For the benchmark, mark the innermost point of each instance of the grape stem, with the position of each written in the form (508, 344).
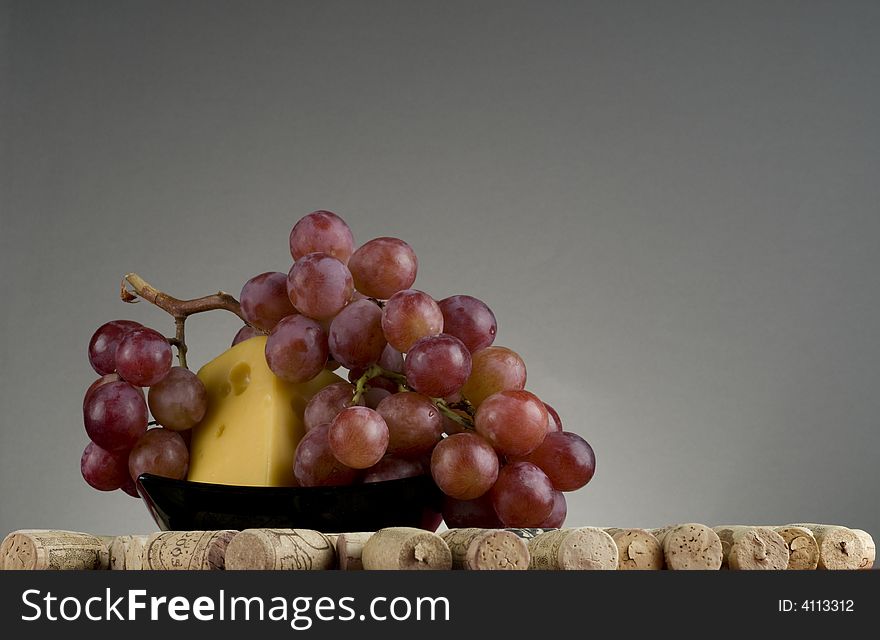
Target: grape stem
(375, 371)
(134, 287)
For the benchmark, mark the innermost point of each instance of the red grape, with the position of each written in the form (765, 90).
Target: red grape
(100, 382)
(374, 395)
(515, 422)
(355, 337)
(105, 341)
(358, 437)
(264, 300)
(409, 315)
(469, 320)
(129, 485)
(566, 458)
(464, 466)
(143, 357)
(327, 403)
(462, 514)
(554, 423)
(246, 333)
(383, 266)
(493, 369)
(160, 452)
(557, 515)
(414, 423)
(391, 359)
(102, 469)
(522, 495)
(315, 465)
(115, 416)
(391, 468)
(319, 285)
(321, 231)
(437, 365)
(178, 401)
(296, 350)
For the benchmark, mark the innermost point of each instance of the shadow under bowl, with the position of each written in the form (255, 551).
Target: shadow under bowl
(181, 505)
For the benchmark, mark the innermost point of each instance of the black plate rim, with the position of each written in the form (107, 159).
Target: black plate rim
(243, 488)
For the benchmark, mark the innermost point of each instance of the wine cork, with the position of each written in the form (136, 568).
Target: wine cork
(585, 548)
(350, 549)
(803, 550)
(839, 547)
(747, 548)
(406, 548)
(127, 552)
(638, 549)
(486, 549)
(281, 550)
(870, 553)
(186, 550)
(39, 549)
(107, 540)
(689, 546)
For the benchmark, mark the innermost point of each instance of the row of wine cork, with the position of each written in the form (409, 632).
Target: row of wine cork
(677, 547)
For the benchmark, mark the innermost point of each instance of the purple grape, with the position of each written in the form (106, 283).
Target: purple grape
(115, 416)
(319, 286)
(129, 485)
(414, 423)
(178, 401)
(391, 359)
(160, 452)
(296, 350)
(246, 333)
(315, 465)
(438, 366)
(469, 320)
(100, 382)
(391, 468)
(105, 341)
(566, 458)
(555, 422)
(102, 469)
(464, 466)
(264, 300)
(409, 315)
(383, 266)
(324, 232)
(143, 357)
(374, 395)
(522, 495)
(355, 337)
(462, 514)
(557, 516)
(327, 403)
(358, 437)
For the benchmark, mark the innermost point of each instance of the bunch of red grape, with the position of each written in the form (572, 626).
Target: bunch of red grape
(428, 391)
(128, 357)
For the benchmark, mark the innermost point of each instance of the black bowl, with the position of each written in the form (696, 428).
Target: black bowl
(180, 505)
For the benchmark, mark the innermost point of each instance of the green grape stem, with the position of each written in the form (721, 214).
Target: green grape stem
(134, 287)
(446, 409)
(375, 371)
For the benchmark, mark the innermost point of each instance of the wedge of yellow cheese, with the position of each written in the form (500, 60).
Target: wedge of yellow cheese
(254, 420)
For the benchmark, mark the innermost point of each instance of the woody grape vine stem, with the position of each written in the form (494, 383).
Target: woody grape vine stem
(134, 287)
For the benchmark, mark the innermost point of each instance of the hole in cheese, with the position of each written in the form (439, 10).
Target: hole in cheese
(220, 430)
(240, 377)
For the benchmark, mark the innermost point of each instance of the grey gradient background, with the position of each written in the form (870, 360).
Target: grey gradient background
(672, 208)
